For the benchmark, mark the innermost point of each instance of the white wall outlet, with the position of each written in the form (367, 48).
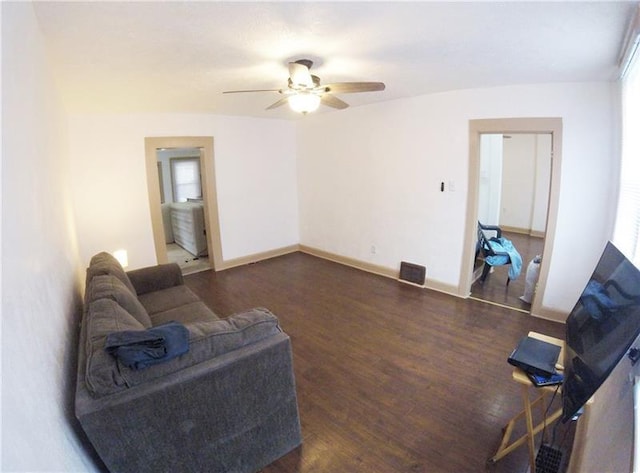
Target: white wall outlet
(452, 186)
(374, 250)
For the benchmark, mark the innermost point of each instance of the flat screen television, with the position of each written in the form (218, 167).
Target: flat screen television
(600, 329)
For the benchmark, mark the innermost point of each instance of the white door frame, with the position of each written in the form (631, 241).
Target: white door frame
(209, 193)
(552, 126)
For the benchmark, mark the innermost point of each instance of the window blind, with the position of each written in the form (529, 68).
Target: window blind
(627, 229)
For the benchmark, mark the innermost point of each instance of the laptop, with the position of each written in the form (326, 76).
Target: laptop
(535, 356)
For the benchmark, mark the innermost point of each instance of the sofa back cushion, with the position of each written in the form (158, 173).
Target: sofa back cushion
(108, 286)
(105, 316)
(217, 337)
(104, 263)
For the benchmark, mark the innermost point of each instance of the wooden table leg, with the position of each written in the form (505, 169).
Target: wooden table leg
(529, 420)
(526, 414)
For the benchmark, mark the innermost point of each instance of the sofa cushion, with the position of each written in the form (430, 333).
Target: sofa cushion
(186, 314)
(103, 317)
(105, 263)
(211, 339)
(107, 286)
(208, 340)
(167, 299)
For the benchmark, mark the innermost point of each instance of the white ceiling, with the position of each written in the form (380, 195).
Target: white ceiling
(180, 57)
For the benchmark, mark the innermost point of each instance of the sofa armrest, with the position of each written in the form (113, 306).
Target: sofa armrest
(155, 278)
(235, 412)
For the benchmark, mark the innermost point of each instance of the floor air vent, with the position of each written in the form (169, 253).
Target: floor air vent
(413, 273)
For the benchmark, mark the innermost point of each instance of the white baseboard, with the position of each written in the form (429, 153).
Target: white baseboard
(255, 258)
(377, 269)
(543, 313)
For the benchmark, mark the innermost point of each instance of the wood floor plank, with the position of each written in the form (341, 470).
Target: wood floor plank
(390, 377)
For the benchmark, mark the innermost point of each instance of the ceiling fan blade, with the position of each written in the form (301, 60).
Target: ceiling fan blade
(334, 102)
(300, 75)
(257, 90)
(352, 87)
(280, 102)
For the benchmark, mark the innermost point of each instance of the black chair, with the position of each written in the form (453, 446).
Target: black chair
(483, 245)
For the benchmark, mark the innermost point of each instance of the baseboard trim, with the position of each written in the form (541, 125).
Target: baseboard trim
(257, 257)
(553, 315)
(445, 288)
(352, 262)
(522, 231)
(543, 313)
(377, 269)
(497, 304)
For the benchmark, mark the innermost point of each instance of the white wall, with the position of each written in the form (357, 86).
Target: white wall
(542, 183)
(490, 184)
(518, 180)
(255, 169)
(40, 283)
(371, 176)
(527, 175)
(515, 193)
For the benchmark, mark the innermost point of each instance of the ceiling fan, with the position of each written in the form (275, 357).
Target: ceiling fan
(304, 92)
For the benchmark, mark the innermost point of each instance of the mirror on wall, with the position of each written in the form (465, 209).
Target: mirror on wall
(513, 194)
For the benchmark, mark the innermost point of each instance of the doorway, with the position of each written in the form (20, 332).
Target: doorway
(513, 194)
(183, 208)
(183, 203)
(537, 223)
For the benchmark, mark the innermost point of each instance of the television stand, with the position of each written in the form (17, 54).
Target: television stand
(506, 445)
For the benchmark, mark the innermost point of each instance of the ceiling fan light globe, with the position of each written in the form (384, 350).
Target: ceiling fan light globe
(304, 103)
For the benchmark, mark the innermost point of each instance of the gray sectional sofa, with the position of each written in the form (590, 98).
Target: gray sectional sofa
(226, 405)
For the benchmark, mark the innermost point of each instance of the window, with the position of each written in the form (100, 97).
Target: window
(627, 230)
(185, 179)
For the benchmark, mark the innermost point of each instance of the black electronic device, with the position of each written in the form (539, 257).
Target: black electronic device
(535, 356)
(600, 329)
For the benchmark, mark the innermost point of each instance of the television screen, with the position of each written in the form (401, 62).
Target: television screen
(600, 329)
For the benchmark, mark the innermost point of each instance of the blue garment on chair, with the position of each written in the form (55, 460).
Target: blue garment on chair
(502, 245)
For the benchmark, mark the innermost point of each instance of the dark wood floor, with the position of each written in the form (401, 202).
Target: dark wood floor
(495, 289)
(390, 377)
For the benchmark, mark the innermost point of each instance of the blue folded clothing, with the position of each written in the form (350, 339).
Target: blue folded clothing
(139, 349)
